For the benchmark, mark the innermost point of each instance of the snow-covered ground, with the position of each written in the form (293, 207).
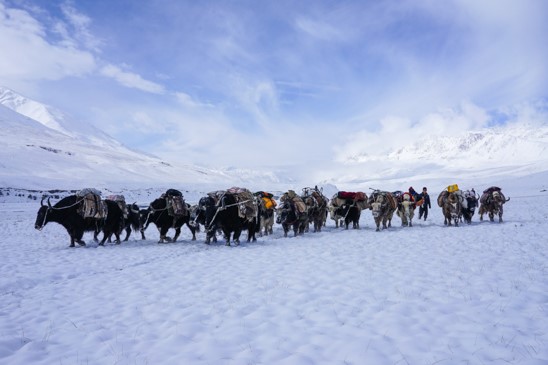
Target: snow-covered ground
(428, 294)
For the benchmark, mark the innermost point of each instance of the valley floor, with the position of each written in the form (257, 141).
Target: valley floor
(429, 294)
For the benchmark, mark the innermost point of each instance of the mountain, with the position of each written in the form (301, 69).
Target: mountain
(43, 148)
(487, 155)
(513, 144)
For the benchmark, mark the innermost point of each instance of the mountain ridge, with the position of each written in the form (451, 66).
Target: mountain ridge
(43, 148)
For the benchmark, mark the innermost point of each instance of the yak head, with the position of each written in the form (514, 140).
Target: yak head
(377, 206)
(42, 216)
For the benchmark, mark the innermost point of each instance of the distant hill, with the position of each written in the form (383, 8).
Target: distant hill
(43, 148)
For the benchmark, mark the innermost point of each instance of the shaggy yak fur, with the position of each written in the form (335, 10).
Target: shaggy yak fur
(492, 202)
(289, 217)
(382, 205)
(451, 206)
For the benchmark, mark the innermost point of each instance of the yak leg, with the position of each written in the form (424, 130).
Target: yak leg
(235, 239)
(236, 236)
(177, 233)
(76, 236)
(128, 232)
(193, 231)
(163, 235)
(227, 233)
(117, 235)
(209, 235)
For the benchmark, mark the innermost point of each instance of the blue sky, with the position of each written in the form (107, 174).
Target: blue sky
(251, 83)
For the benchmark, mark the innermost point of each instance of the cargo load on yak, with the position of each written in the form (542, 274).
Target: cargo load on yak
(216, 195)
(92, 206)
(401, 196)
(296, 200)
(317, 194)
(121, 201)
(268, 199)
(353, 198)
(175, 203)
(389, 197)
(247, 206)
(487, 193)
(452, 189)
(398, 195)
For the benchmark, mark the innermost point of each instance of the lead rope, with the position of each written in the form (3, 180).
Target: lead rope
(70, 206)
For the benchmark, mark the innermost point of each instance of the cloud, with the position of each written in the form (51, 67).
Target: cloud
(29, 56)
(397, 132)
(320, 30)
(65, 49)
(80, 24)
(189, 102)
(131, 80)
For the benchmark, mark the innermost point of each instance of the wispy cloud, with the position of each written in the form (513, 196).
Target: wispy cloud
(79, 28)
(131, 80)
(29, 56)
(55, 49)
(320, 30)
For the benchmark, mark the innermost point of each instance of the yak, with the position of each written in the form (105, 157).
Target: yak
(66, 213)
(159, 214)
(451, 205)
(492, 201)
(382, 205)
(289, 217)
(224, 214)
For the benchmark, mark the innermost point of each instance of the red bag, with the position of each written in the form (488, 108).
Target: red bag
(346, 195)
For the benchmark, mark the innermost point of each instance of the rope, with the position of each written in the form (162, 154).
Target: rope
(67, 207)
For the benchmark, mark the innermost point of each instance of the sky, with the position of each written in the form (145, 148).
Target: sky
(255, 83)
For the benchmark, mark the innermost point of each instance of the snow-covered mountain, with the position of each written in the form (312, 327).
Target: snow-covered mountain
(43, 148)
(514, 144)
(514, 149)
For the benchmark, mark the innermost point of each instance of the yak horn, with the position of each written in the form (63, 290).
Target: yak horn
(42, 201)
(49, 204)
(507, 199)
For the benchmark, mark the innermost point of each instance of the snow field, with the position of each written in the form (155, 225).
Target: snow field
(428, 294)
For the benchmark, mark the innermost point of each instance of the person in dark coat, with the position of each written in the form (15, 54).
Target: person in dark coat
(416, 196)
(423, 210)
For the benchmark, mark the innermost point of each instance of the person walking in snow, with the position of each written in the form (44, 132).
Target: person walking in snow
(423, 209)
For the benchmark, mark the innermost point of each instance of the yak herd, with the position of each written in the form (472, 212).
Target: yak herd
(232, 211)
